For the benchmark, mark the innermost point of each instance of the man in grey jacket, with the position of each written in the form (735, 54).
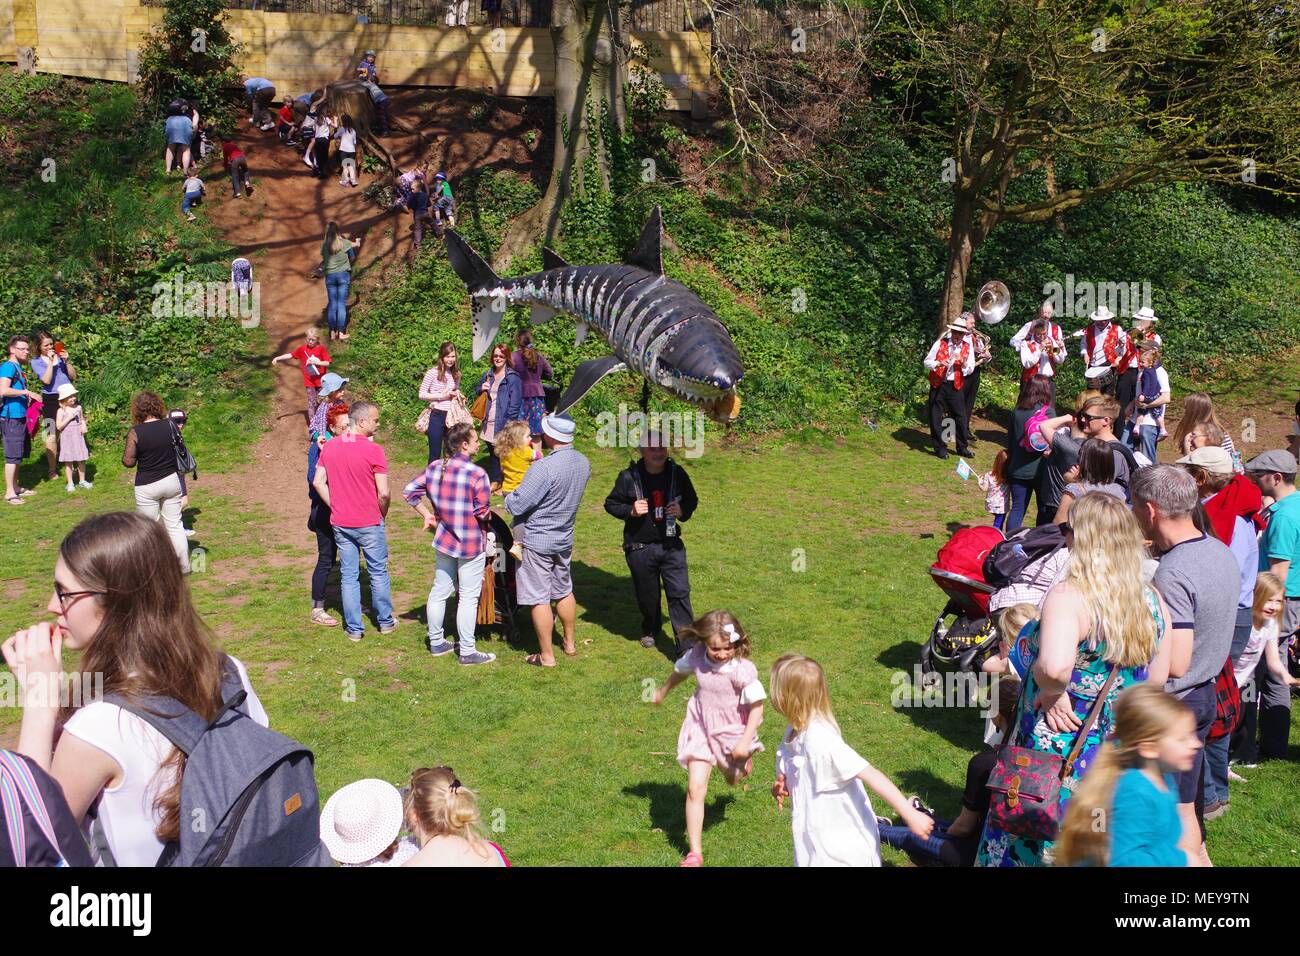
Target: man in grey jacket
(548, 499)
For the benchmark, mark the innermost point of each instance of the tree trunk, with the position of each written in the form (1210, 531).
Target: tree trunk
(590, 72)
(962, 241)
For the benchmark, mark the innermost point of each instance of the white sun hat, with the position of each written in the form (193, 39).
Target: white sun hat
(1146, 314)
(361, 820)
(1102, 314)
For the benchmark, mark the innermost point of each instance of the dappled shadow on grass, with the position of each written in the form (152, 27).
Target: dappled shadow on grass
(935, 792)
(607, 600)
(914, 438)
(955, 715)
(668, 810)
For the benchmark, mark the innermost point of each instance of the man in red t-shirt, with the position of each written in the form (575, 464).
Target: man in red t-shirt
(352, 479)
(234, 161)
(315, 362)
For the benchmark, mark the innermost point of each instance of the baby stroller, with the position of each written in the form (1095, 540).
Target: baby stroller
(970, 638)
(503, 603)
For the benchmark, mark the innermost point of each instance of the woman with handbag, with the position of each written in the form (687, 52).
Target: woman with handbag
(1100, 632)
(505, 394)
(533, 369)
(151, 451)
(441, 389)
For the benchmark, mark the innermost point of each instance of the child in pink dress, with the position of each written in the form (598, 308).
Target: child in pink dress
(722, 719)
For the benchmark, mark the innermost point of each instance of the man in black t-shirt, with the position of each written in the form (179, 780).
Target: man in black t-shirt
(652, 496)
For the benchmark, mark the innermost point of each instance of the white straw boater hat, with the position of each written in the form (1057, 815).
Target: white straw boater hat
(1102, 314)
(1146, 314)
(361, 820)
(957, 325)
(67, 390)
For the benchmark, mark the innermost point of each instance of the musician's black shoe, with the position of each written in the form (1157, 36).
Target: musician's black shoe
(965, 453)
(941, 453)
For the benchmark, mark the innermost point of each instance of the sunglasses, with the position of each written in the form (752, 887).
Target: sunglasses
(1084, 419)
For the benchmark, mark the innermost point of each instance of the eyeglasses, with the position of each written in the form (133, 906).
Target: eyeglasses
(63, 595)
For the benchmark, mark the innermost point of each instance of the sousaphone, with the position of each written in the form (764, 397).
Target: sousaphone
(993, 302)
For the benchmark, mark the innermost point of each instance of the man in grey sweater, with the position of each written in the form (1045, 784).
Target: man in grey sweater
(1199, 579)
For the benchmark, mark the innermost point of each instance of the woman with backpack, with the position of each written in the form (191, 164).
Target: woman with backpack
(1025, 447)
(120, 599)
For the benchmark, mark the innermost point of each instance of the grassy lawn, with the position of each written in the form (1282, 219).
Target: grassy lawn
(571, 765)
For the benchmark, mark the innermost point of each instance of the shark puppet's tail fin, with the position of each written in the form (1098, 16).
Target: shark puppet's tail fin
(479, 279)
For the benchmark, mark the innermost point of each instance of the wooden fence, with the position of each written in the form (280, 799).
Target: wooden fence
(299, 51)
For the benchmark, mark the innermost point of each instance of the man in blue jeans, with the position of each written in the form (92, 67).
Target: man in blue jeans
(352, 479)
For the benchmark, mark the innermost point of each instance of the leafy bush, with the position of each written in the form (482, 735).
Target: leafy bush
(191, 56)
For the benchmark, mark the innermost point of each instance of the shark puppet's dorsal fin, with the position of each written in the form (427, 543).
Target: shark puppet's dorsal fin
(648, 253)
(552, 259)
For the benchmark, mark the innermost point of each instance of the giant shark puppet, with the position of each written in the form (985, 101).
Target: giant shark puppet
(653, 325)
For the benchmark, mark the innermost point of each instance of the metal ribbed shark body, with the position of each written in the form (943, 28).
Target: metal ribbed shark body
(653, 325)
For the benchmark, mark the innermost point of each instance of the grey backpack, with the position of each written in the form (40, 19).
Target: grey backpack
(248, 794)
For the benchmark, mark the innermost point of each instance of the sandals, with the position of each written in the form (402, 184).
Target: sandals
(692, 859)
(14, 500)
(321, 617)
(536, 661)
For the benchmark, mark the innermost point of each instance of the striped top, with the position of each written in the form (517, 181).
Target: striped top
(440, 393)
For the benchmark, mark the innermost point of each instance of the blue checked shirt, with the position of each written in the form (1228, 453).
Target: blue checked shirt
(460, 493)
(548, 499)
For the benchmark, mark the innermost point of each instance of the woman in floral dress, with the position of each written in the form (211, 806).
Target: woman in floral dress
(1103, 615)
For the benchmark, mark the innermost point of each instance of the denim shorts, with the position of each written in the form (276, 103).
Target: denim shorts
(17, 443)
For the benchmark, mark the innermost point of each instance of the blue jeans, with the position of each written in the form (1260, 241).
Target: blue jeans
(1216, 770)
(1147, 435)
(336, 287)
(999, 520)
(190, 199)
(373, 543)
(1020, 493)
(462, 575)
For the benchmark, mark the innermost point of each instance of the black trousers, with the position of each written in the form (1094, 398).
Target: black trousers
(1125, 392)
(652, 565)
(327, 550)
(946, 402)
(321, 150)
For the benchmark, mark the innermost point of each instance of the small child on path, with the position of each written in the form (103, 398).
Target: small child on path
(347, 137)
(192, 194)
(71, 425)
(722, 718)
(831, 813)
(1125, 812)
(315, 360)
(994, 485)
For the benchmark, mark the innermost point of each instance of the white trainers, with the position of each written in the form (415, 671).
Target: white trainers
(85, 484)
(71, 487)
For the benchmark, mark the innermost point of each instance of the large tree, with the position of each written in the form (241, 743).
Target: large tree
(1131, 91)
(591, 56)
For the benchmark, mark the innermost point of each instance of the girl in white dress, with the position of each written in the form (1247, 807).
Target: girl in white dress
(831, 814)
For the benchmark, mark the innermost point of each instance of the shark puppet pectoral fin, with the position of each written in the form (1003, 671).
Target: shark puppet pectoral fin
(585, 378)
(487, 322)
(540, 314)
(580, 332)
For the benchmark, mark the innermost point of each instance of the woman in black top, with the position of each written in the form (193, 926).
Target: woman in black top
(1022, 464)
(150, 451)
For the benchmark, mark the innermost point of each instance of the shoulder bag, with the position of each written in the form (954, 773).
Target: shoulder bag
(1025, 785)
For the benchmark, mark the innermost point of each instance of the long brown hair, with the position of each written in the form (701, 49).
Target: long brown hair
(443, 350)
(524, 339)
(714, 624)
(1198, 408)
(151, 641)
